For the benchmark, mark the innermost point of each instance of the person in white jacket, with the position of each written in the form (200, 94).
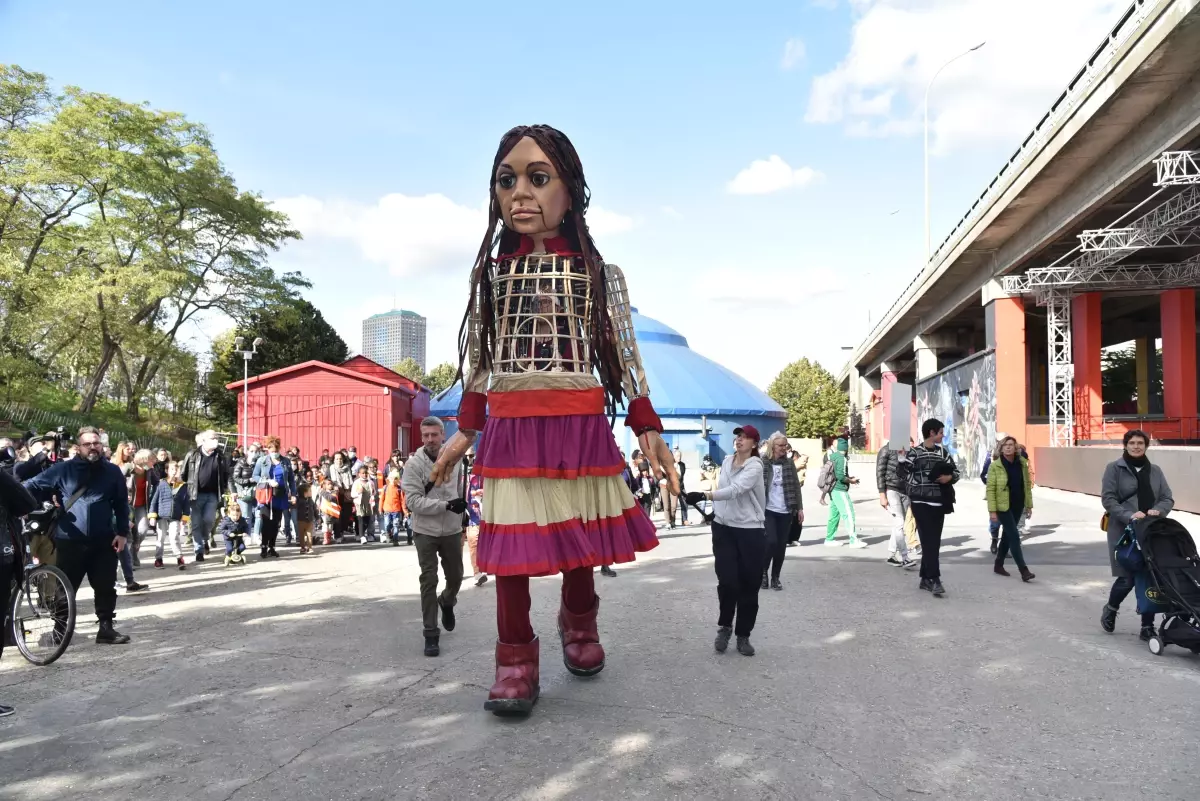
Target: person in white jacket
(739, 538)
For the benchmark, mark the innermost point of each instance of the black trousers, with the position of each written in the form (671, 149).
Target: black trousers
(1120, 590)
(930, 520)
(738, 555)
(795, 528)
(778, 527)
(95, 558)
(270, 526)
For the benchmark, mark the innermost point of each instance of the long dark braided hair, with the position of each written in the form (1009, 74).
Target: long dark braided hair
(562, 155)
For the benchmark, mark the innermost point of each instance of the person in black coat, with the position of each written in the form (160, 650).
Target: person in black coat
(15, 501)
(86, 540)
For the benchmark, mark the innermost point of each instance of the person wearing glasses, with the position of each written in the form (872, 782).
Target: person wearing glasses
(94, 499)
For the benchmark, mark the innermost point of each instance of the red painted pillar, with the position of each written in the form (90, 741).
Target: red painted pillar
(1012, 376)
(886, 381)
(1085, 344)
(1178, 307)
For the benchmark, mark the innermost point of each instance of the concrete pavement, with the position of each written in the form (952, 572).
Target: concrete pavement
(303, 678)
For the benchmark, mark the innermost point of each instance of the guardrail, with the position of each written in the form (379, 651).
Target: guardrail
(25, 417)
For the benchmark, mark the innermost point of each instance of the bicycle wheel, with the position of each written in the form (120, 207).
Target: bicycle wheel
(43, 614)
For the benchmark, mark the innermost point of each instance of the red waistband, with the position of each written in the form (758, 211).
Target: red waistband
(546, 402)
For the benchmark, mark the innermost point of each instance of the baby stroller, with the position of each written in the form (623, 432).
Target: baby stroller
(1170, 583)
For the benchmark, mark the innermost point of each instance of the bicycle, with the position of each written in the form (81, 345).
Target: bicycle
(40, 620)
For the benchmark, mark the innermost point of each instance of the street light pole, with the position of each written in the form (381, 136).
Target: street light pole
(246, 356)
(928, 248)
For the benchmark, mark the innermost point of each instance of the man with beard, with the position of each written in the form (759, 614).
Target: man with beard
(437, 524)
(94, 499)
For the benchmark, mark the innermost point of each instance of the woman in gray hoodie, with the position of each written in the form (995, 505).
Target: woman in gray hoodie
(739, 538)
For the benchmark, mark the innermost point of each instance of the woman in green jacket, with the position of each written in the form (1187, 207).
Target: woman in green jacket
(1009, 497)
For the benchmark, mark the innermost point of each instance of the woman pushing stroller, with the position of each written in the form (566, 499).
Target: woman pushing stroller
(1132, 490)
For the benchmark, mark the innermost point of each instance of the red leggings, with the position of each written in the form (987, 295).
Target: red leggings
(512, 602)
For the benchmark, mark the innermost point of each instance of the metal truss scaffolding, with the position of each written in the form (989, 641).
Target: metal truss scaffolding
(1096, 268)
(1062, 369)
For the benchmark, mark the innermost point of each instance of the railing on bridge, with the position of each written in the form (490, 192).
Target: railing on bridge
(1060, 110)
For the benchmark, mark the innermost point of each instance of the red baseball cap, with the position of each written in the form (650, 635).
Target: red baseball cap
(748, 431)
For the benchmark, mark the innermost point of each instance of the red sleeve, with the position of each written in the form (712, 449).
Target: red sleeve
(472, 411)
(642, 417)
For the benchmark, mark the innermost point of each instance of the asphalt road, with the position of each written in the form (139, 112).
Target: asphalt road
(303, 678)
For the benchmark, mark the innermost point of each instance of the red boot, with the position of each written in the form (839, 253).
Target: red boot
(582, 652)
(517, 679)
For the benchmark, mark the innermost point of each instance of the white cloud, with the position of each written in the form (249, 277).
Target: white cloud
(996, 93)
(672, 212)
(409, 234)
(793, 53)
(602, 222)
(771, 175)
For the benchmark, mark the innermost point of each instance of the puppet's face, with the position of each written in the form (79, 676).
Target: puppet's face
(533, 198)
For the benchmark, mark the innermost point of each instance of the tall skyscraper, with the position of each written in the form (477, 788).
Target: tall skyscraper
(393, 336)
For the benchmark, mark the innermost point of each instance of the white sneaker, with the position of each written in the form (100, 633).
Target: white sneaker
(362, 540)
(832, 544)
(859, 544)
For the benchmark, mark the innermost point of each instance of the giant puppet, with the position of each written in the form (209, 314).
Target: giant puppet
(548, 342)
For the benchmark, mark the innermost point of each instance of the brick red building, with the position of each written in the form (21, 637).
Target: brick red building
(318, 406)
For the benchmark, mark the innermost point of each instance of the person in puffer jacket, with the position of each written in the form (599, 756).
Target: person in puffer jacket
(929, 473)
(168, 507)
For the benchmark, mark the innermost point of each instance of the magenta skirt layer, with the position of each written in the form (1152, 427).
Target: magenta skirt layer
(548, 447)
(533, 549)
(554, 498)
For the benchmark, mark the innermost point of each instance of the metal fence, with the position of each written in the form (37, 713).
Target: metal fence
(27, 418)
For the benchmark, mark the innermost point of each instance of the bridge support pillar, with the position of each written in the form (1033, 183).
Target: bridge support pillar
(1005, 323)
(927, 361)
(1178, 308)
(1085, 341)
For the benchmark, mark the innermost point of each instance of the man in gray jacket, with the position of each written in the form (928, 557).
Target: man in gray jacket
(437, 525)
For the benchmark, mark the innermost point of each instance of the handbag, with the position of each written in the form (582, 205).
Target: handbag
(1104, 517)
(262, 496)
(1128, 553)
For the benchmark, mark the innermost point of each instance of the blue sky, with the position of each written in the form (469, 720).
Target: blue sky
(374, 125)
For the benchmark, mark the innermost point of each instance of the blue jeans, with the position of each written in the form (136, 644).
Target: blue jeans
(125, 557)
(392, 525)
(203, 517)
(289, 524)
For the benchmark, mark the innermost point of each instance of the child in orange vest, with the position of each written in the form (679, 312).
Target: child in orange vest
(394, 508)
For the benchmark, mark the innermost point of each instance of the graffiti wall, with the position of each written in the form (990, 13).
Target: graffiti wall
(963, 397)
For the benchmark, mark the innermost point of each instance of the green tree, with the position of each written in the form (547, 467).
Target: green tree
(120, 225)
(293, 332)
(440, 378)
(410, 369)
(815, 404)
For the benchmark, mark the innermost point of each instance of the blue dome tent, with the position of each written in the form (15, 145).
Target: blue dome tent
(700, 402)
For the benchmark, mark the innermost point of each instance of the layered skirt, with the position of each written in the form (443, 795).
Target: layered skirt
(553, 495)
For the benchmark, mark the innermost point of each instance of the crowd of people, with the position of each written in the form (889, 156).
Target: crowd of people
(112, 504)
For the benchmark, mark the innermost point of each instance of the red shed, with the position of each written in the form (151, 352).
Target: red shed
(317, 406)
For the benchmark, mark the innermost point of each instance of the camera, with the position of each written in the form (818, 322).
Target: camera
(56, 442)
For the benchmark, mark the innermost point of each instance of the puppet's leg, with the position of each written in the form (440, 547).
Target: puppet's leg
(517, 676)
(582, 652)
